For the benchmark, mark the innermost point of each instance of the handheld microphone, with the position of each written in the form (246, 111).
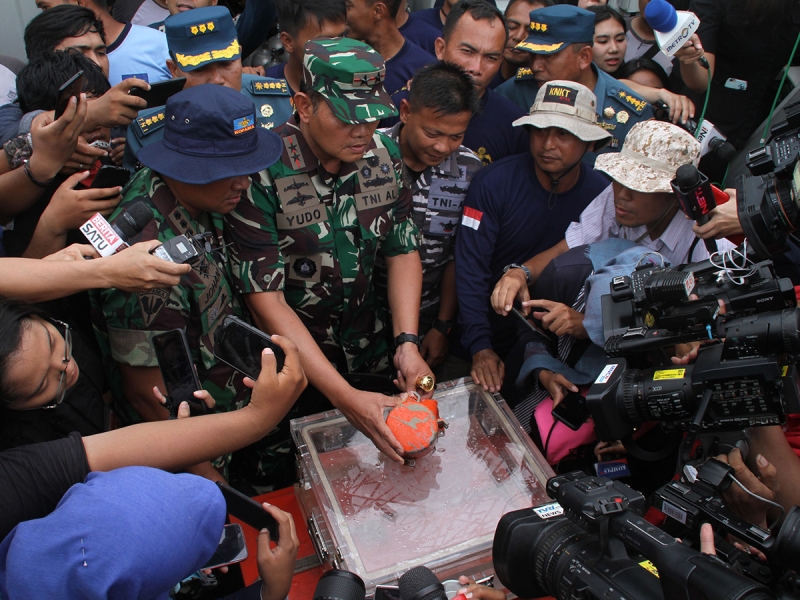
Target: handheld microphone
(697, 197)
(420, 583)
(110, 238)
(673, 28)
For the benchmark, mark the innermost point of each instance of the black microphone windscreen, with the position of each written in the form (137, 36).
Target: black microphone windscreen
(420, 583)
(687, 176)
(132, 221)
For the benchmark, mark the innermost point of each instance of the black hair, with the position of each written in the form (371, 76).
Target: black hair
(392, 5)
(313, 95)
(48, 29)
(603, 12)
(542, 3)
(14, 318)
(444, 87)
(39, 80)
(643, 64)
(294, 14)
(479, 10)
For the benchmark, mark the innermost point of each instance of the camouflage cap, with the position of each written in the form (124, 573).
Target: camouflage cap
(650, 156)
(349, 74)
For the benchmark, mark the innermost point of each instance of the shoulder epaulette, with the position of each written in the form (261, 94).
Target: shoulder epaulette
(524, 73)
(628, 98)
(150, 123)
(266, 86)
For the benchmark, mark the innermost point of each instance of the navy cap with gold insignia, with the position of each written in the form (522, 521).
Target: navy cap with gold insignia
(201, 36)
(555, 27)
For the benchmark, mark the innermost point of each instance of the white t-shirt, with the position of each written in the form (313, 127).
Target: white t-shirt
(149, 12)
(598, 222)
(8, 86)
(138, 51)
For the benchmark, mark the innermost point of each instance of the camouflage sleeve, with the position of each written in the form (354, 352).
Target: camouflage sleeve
(403, 237)
(257, 262)
(133, 319)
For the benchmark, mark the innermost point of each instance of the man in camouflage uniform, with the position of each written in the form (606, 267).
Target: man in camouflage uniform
(438, 170)
(198, 172)
(304, 256)
(204, 49)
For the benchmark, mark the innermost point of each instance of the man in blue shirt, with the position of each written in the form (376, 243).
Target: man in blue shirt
(300, 21)
(373, 22)
(560, 41)
(520, 203)
(437, 15)
(416, 30)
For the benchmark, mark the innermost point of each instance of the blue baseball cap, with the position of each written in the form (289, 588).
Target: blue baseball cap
(210, 133)
(128, 534)
(201, 36)
(555, 27)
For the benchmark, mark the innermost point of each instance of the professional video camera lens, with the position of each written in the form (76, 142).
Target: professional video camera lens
(647, 396)
(337, 584)
(763, 334)
(786, 551)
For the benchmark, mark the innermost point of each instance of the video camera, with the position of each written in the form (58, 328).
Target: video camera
(768, 202)
(593, 543)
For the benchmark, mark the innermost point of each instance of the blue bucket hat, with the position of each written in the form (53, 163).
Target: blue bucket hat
(555, 27)
(210, 133)
(129, 534)
(201, 36)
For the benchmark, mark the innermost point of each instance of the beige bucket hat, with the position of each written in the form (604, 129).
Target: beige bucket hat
(568, 105)
(650, 156)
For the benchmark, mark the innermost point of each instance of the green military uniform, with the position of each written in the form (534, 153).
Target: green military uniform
(315, 235)
(198, 304)
(271, 97)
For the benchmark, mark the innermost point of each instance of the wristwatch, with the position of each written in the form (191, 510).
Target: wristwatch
(406, 337)
(525, 269)
(443, 327)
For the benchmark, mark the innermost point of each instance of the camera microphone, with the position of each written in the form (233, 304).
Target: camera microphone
(109, 238)
(420, 583)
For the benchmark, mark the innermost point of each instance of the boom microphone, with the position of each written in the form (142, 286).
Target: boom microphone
(672, 28)
(109, 238)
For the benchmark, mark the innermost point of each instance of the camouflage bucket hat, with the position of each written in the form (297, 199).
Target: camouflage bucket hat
(349, 74)
(567, 105)
(650, 156)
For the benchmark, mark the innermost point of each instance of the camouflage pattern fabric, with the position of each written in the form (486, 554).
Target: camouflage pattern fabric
(349, 74)
(315, 236)
(126, 322)
(438, 195)
(650, 157)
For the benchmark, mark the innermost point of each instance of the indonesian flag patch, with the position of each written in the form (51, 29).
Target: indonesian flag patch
(471, 218)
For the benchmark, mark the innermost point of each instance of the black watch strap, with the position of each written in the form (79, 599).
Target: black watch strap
(443, 327)
(406, 337)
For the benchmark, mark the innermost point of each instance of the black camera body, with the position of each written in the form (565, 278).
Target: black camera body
(600, 547)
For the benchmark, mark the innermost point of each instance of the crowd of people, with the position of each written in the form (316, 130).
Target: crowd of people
(380, 197)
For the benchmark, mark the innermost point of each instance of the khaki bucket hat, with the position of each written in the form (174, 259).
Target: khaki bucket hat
(650, 156)
(567, 105)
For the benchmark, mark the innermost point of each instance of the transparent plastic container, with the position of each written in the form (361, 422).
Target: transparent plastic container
(378, 519)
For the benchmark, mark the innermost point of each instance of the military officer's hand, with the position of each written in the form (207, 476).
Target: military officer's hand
(434, 347)
(681, 109)
(365, 411)
(410, 367)
(488, 370)
(511, 285)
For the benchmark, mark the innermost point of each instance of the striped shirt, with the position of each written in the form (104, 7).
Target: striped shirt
(598, 222)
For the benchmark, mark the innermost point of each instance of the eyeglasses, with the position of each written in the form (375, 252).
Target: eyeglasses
(61, 392)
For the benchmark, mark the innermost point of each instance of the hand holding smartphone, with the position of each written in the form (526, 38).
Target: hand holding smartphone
(177, 370)
(71, 87)
(572, 410)
(160, 92)
(249, 511)
(239, 345)
(232, 548)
